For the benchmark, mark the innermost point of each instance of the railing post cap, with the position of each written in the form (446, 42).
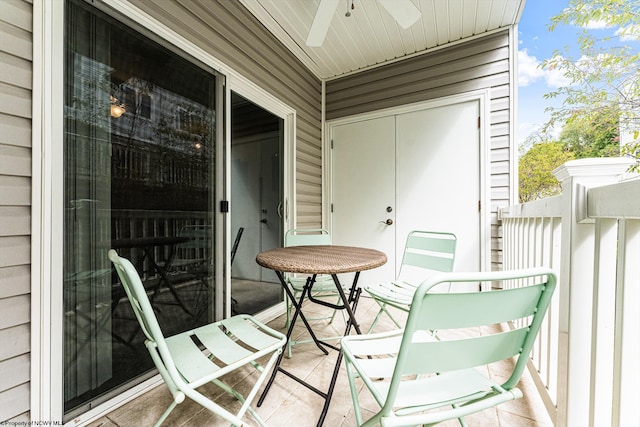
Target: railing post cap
(592, 167)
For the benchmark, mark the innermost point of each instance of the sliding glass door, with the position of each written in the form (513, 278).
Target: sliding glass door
(257, 214)
(139, 176)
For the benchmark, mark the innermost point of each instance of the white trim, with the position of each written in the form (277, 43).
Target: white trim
(325, 151)
(38, 405)
(263, 99)
(290, 172)
(104, 408)
(483, 97)
(223, 222)
(513, 115)
(46, 260)
(408, 108)
(47, 191)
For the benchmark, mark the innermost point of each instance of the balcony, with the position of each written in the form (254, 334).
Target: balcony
(583, 370)
(585, 364)
(290, 404)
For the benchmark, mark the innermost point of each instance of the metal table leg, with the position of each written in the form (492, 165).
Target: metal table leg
(349, 303)
(297, 312)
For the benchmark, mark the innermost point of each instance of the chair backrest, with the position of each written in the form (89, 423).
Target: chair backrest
(427, 250)
(199, 237)
(522, 309)
(307, 236)
(137, 297)
(236, 242)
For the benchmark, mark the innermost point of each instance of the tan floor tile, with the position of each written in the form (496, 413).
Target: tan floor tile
(291, 404)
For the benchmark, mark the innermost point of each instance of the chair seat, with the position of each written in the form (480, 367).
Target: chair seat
(225, 344)
(418, 378)
(422, 393)
(425, 253)
(195, 357)
(433, 391)
(396, 292)
(322, 284)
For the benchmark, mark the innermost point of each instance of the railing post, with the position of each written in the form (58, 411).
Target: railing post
(576, 278)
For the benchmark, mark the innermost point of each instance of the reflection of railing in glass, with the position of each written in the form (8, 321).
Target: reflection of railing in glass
(135, 163)
(128, 224)
(141, 176)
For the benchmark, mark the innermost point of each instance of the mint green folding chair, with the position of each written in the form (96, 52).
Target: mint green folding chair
(418, 379)
(425, 253)
(193, 358)
(324, 286)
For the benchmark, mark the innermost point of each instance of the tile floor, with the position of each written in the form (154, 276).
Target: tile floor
(290, 404)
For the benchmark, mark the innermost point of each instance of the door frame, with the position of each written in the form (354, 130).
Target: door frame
(46, 319)
(483, 98)
(266, 101)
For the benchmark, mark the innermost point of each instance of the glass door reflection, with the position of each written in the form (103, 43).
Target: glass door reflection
(256, 203)
(139, 150)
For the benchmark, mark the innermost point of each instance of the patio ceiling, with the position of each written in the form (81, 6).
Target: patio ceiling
(371, 37)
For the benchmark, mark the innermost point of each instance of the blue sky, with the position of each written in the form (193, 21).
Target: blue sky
(537, 43)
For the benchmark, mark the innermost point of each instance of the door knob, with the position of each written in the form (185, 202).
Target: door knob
(263, 220)
(389, 221)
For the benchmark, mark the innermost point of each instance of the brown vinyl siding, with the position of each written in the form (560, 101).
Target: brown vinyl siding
(231, 34)
(15, 206)
(478, 64)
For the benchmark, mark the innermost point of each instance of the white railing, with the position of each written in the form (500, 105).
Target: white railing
(586, 363)
(127, 224)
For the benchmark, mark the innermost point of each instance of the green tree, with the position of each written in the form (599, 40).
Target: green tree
(591, 139)
(534, 171)
(604, 80)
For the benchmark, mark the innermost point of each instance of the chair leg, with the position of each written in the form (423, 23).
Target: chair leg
(383, 309)
(461, 420)
(357, 411)
(166, 414)
(245, 401)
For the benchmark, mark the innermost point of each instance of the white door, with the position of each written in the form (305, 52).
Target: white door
(245, 206)
(363, 187)
(255, 192)
(438, 177)
(422, 166)
(270, 201)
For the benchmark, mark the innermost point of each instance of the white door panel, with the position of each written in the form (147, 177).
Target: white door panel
(424, 166)
(438, 177)
(245, 197)
(363, 159)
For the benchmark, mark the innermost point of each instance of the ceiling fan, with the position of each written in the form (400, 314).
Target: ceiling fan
(403, 11)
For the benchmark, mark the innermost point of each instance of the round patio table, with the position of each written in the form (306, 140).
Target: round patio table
(314, 260)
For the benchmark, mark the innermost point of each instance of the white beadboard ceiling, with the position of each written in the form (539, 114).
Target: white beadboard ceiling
(371, 37)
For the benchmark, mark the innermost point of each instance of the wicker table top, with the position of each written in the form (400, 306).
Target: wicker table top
(321, 259)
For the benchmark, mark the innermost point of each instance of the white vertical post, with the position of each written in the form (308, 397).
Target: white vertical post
(575, 286)
(626, 411)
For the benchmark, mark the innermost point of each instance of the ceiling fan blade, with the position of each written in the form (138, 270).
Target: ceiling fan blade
(321, 22)
(403, 11)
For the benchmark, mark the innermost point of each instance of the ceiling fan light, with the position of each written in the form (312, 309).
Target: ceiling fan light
(403, 11)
